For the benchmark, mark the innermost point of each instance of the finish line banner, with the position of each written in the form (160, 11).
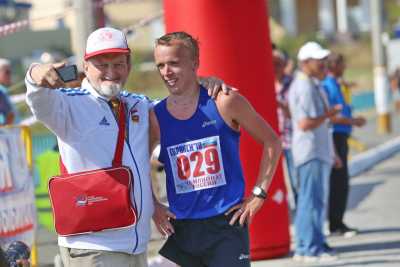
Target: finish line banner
(17, 208)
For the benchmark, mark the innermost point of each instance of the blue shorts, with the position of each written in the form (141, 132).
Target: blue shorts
(210, 242)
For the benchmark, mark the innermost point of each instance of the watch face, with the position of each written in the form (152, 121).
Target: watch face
(256, 191)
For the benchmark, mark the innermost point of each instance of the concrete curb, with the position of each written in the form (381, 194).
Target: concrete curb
(366, 160)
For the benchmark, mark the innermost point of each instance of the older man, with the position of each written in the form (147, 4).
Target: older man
(312, 152)
(86, 127)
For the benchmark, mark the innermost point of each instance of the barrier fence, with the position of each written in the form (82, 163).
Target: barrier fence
(17, 199)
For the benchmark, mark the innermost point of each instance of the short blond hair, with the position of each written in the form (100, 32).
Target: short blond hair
(188, 41)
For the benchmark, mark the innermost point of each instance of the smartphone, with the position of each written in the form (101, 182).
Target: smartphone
(68, 73)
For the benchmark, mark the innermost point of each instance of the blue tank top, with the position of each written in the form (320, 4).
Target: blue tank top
(201, 160)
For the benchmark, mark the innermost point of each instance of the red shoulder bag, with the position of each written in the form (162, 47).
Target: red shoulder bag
(95, 200)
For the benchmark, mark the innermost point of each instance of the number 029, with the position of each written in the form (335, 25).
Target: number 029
(209, 158)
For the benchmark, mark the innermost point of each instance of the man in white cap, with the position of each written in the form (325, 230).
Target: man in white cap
(7, 112)
(86, 127)
(312, 152)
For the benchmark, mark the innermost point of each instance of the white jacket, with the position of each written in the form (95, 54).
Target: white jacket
(87, 130)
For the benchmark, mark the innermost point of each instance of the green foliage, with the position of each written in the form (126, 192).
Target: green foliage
(392, 9)
(145, 81)
(291, 44)
(358, 54)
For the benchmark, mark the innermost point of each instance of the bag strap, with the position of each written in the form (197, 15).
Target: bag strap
(117, 161)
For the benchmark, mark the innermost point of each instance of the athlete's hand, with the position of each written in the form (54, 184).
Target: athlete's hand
(214, 85)
(161, 218)
(45, 75)
(245, 211)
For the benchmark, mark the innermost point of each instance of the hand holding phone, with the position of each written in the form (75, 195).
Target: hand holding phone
(68, 73)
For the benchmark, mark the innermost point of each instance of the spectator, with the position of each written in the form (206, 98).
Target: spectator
(282, 83)
(17, 254)
(342, 126)
(7, 112)
(395, 86)
(312, 153)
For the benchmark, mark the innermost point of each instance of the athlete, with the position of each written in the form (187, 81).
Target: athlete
(199, 137)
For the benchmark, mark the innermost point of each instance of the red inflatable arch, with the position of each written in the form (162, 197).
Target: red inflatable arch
(235, 45)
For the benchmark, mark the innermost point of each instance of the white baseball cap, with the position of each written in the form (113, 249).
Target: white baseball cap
(312, 50)
(4, 63)
(106, 40)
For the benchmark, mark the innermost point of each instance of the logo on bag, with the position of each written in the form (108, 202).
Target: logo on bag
(83, 200)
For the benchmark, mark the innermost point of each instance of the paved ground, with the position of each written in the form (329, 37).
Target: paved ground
(373, 207)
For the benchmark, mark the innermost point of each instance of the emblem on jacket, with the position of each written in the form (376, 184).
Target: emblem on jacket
(134, 115)
(104, 121)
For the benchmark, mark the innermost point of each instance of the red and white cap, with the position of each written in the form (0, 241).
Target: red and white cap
(104, 41)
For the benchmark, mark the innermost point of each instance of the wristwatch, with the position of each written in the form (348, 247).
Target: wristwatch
(259, 192)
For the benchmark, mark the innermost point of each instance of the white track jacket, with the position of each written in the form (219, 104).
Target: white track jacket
(87, 131)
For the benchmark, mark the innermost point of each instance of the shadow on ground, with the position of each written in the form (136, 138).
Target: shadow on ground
(366, 247)
(359, 192)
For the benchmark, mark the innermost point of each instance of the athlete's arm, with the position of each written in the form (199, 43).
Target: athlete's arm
(161, 215)
(237, 111)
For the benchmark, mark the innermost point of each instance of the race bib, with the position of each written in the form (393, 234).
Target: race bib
(197, 165)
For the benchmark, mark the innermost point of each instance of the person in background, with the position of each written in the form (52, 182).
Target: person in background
(7, 110)
(282, 83)
(313, 153)
(16, 255)
(395, 87)
(342, 127)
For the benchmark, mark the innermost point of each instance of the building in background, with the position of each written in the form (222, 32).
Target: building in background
(12, 10)
(325, 16)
